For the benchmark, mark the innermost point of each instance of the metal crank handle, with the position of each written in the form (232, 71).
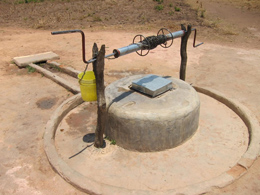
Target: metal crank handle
(194, 40)
(83, 40)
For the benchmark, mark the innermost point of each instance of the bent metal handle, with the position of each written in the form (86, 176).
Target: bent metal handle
(83, 40)
(194, 39)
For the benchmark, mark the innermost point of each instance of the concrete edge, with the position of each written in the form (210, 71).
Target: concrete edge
(56, 162)
(90, 186)
(246, 115)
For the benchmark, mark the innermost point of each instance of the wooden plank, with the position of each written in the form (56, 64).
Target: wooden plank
(183, 51)
(64, 83)
(68, 70)
(24, 61)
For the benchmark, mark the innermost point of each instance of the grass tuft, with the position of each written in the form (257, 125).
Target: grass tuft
(30, 69)
(159, 1)
(177, 9)
(158, 7)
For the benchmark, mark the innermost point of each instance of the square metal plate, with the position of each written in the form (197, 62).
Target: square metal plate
(152, 85)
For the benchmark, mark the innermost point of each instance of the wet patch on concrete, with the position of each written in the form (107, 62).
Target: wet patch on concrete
(84, 120)
(46, 103)
(89, 138)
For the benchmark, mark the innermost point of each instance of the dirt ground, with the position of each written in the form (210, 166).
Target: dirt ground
(228, 62)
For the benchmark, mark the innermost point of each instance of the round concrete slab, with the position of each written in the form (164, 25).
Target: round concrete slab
(213, 157)
(141, 123)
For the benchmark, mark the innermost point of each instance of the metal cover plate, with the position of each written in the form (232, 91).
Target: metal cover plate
(152, 85)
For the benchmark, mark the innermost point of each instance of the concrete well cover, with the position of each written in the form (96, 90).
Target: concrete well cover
(141, 123)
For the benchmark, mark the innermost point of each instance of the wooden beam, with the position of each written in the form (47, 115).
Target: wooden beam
(68, 70)
(183, 50)
(98, 68)
(59, 80)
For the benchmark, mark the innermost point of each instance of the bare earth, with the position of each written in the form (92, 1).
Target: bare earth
(228, 62)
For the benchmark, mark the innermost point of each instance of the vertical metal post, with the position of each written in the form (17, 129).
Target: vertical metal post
(183, 51)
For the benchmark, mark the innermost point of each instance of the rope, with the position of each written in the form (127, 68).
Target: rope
(84, 73)
(152, 42)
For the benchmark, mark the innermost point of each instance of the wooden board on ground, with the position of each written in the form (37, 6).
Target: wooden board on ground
(24, 61)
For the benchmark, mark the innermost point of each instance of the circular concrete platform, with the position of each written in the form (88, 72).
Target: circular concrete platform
(222, 150)
(141, 123)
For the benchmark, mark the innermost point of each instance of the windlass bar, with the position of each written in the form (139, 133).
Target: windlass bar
(145, 43)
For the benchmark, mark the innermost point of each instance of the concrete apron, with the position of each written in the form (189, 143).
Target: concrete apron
(219, 153)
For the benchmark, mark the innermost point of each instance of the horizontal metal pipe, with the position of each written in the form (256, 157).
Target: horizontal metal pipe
(106, 56)
(175, 35)
(127, 49)
(138, 46)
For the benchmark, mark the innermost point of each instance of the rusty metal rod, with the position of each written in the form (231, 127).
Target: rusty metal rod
(83, 40)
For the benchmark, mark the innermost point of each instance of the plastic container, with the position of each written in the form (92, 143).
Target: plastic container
(88, 86)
